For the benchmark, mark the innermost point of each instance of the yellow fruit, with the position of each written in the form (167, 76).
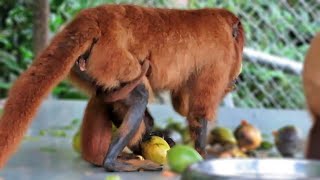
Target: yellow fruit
(76, 143)
(155, 149)
(114, 129)
(234, 153)
(237, 153)
(181, 156)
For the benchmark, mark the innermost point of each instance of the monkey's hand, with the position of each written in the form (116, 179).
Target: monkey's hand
(124, 91)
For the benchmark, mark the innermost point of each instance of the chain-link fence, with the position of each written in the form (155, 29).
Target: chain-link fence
(283, 29)
(278, 34)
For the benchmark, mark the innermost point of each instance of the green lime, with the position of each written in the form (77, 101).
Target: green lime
(179, 157)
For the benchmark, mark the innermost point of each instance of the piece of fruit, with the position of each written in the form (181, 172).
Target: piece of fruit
(113, 177)
(248, 136)
(287, 140)
(114, 129)
(181, 156)
(232, 152)
(76, 143)
(155, 149)
(164, 134)
(221, 135)
(237, 153)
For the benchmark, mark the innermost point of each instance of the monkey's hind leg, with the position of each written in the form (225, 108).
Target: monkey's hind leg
(313, 146)
(206, 93)
(96, 132)
(137, 103)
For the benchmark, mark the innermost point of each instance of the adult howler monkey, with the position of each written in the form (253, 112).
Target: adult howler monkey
(195, 54)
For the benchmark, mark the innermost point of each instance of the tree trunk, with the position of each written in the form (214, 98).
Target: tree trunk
(41, 13)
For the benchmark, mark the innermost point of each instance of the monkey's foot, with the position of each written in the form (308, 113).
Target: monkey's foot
(202, 152)
(128, 156)
(132, 165)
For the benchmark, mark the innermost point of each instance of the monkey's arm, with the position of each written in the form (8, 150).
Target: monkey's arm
(96, 131)
(137, 102)
(124, 91)
(80, 78)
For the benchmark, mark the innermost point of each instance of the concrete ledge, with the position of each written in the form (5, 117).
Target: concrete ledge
(53, 112)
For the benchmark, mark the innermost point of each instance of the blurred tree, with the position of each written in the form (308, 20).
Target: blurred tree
(41, 14)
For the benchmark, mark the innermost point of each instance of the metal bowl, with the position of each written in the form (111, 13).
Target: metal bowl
(240, 169)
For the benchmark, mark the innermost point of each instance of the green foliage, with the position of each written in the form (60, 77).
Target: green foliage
(270, 26)
(67, 91)
(15, 41)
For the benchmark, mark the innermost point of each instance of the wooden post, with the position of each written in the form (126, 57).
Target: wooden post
(41, 14)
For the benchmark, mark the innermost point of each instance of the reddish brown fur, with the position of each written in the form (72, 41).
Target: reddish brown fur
(95, 131)
(96, 128)
(180, 100)
(124, 91)
(78, 81)
(33, 85)
(184, 46)
(311, 84)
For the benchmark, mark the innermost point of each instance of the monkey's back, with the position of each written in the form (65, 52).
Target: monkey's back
(177, 42)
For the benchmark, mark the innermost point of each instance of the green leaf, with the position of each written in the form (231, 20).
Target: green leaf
(31, 138)
(48, 149)
(113, 177)
(75, 121)
(42, 133)
(4, 85)
(266, 145)
(58, 133)
(9, 62)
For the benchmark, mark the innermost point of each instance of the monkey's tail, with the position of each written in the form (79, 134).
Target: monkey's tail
(49, 68)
